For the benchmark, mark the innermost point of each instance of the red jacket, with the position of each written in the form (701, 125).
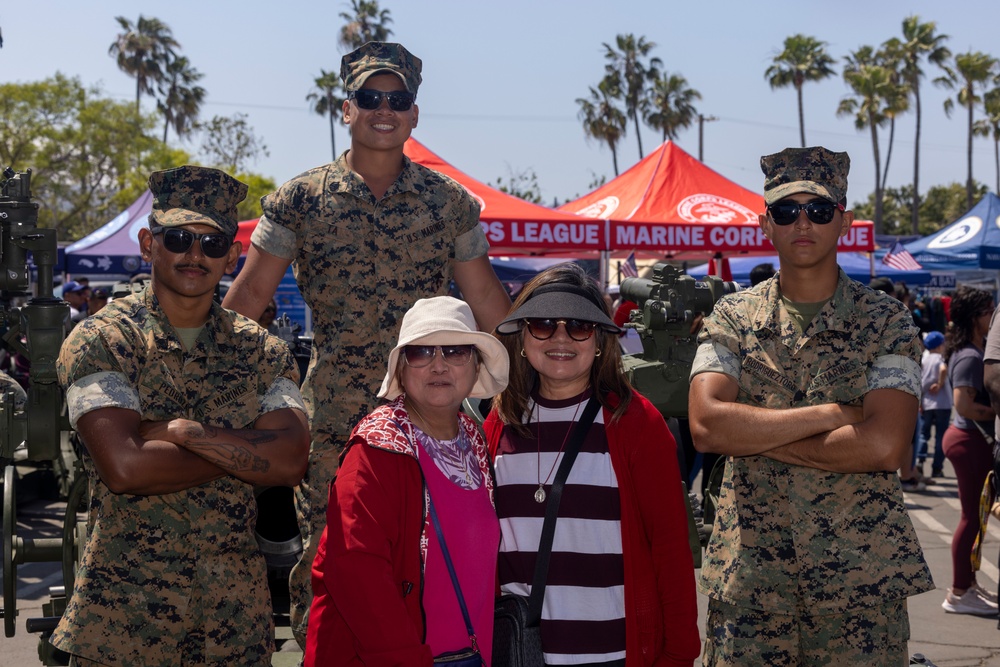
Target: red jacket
(661, 609)
(368, 572)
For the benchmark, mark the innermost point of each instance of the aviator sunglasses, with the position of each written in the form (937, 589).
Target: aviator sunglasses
(544, 329)
(399, 100)
(418, 356)
(179, 241)
(786, 212)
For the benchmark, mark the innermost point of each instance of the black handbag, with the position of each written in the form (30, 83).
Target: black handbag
(517, 637)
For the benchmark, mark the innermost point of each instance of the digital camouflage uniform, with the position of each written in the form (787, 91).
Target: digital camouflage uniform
(178, 576)
(793, 540)
(360, 263)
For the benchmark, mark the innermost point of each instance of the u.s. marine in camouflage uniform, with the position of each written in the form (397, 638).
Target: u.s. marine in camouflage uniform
(183, 408)
(809, 383)
(368, 234)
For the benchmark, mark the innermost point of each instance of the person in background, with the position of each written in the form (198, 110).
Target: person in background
(76, 295)
(620, 588)
(809, 384)
(965, 443)
(760, 273)
(266, 318)
(382, 591)
(183, 408)
(98, 299)
(935, 401)
(369, 234)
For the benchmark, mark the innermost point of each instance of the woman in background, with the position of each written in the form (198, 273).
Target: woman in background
(965, 443)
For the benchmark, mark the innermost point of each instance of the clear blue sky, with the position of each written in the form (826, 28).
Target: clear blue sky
(501, 78)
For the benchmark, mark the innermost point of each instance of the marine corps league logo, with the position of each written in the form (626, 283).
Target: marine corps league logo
(713, 209)
(602, 208)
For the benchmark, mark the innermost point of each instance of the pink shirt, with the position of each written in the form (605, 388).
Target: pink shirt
(472, 533)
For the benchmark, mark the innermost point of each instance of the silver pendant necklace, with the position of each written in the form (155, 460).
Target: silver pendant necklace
(540, 494)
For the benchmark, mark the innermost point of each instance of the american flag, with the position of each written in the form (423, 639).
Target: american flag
(628, 268)
(899, 258)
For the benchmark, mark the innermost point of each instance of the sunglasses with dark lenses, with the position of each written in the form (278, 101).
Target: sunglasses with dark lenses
(418, 356)
(544, 329)
(179, 241)
(786, 212)
(399, 100)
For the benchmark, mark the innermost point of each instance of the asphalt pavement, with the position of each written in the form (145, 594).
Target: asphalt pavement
(947, 640)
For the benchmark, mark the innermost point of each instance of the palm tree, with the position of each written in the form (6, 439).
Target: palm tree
(919, 41)
(602, 119)
(971, 71)
(897, 100)
(625, 60)
(990, 126)
(326, 101)
(803, 59)
(670, 105)
(364, 23)
(181, 98)
(143, 51)
(874, 95)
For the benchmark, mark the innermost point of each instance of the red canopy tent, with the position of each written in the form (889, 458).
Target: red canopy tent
(670, 203)
(515, 226)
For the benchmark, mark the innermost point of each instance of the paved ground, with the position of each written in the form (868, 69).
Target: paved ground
(948, 640)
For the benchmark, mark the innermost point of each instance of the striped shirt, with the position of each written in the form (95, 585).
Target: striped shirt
(583, 613)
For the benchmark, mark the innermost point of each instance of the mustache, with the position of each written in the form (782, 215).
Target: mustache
(189, 265)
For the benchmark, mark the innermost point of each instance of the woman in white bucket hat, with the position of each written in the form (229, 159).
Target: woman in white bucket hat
(382, 590)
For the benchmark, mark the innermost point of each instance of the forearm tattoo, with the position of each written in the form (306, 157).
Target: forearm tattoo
(234, 458)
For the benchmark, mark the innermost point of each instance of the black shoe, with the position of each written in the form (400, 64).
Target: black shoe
(937, 472)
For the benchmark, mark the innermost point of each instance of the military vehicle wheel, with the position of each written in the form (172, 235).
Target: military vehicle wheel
(74, 534)
(9, 566)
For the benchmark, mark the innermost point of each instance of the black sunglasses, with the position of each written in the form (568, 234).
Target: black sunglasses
(179, 241)
(418, 356)
(786, 212)
(399, 100)
(544, 329)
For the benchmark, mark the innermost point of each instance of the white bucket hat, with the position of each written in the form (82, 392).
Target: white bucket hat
(444, 320)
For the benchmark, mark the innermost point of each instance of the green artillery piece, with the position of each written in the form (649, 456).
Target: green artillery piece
(36, 432)
(668, 305)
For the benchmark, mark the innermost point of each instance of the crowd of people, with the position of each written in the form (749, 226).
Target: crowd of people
(807, 387)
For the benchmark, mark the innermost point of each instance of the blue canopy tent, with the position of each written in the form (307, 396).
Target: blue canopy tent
(857, 265)
(971, 243)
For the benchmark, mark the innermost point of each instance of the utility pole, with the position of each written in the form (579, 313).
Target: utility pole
(702, 119)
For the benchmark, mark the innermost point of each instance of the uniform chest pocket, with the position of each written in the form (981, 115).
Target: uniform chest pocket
(767, 386)
(846, 383)
(427, 244)
(235, 406)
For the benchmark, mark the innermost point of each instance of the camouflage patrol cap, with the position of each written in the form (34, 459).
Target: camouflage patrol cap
(375, 57)
(192, 195)
(813, 170)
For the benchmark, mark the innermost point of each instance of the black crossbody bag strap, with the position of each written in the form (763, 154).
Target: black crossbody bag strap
(552, 511)
(454, 576)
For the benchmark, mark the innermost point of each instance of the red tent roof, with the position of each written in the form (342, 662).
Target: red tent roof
(515, 225)
(671, 202)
